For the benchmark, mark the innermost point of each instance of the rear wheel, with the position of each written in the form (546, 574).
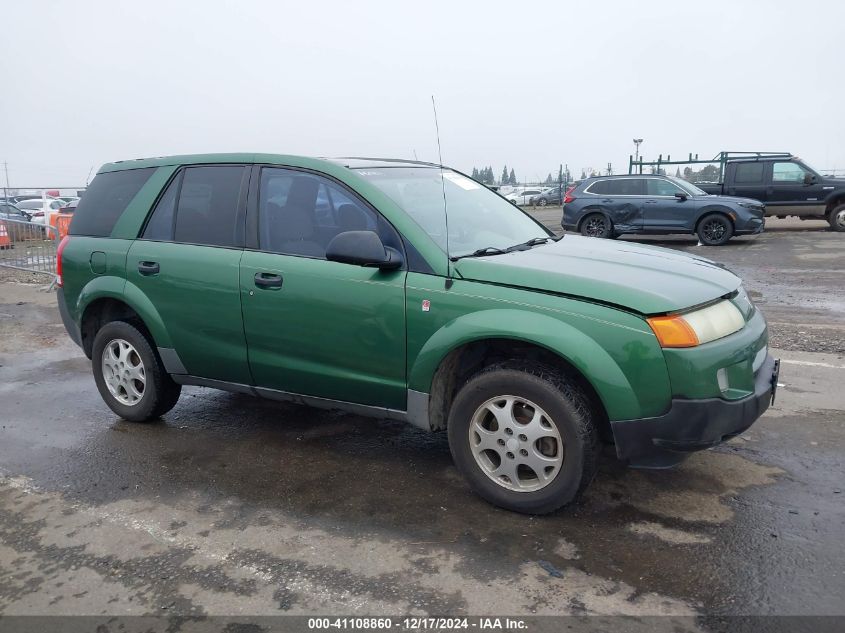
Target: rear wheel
(129, 374)
(715, 229)
(596, 225)
(542, 202)
(836, 218)
(523, 437)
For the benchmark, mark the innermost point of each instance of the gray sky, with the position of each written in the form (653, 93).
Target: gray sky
(530, 84)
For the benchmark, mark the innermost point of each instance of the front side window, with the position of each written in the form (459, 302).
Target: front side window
(478, 218)
(787, 172)
(657, 187)
(299, 213)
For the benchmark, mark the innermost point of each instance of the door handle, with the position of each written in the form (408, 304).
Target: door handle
(268, 280)
(149, 268)
(651, 201)
(607, 200)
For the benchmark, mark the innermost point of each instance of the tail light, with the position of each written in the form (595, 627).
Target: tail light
(59, 281)
(567, 197)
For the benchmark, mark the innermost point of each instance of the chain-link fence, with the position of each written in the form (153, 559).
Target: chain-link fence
(28, 246)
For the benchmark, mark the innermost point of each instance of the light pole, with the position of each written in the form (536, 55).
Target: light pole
(637, 142)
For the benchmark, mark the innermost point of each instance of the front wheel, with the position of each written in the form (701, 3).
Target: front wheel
(523, 437)
(596, 225)
(715, 229)
(542, 202)
(836, 218)
(129, 374)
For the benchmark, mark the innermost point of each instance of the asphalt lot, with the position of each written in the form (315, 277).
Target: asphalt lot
(232, 505)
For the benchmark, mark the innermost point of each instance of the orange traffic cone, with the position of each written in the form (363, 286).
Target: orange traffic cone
(5, 242)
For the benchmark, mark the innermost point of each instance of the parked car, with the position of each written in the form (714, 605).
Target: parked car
(609, 206)
(223, 270)
(786, 185)
(522, 197)
(38, 208)
(69, 206)
(9, 211)
(552, 195)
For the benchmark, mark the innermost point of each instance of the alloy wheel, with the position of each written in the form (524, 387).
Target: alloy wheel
(123, 372)
(596, 227)
(515, 443)
(714, 231)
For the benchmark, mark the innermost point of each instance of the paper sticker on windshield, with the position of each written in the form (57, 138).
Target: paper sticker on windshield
(462, 181)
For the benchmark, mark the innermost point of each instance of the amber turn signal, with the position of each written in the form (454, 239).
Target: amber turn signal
(673, 331)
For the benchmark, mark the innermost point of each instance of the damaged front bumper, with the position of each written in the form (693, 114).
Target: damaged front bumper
(693, 425)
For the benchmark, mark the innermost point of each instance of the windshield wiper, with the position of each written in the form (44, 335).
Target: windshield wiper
(494, 250)
(481, 252)
(534, 241)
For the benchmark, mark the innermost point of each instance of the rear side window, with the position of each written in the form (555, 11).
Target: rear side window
(749, 173)
(619, 187)
(200, 206)
(106, 199)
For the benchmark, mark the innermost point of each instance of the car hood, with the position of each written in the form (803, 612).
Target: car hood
(646, 279)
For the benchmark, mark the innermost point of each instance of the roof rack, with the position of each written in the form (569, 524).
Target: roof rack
(636, 166)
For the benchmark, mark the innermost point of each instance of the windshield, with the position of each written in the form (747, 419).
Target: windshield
(478, 218)
(688, 186)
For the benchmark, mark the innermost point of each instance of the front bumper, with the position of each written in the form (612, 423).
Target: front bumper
(754, 226)
(693, 425)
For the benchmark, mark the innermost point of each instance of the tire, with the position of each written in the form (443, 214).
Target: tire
(714, 229)
(836, 218)
(568, 437)
(597, 225)
(121, 347)
(542, 202)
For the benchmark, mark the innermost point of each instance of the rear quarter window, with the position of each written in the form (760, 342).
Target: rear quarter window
(106, 199)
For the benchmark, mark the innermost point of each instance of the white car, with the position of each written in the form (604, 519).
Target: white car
(522, 198)
(38, 208)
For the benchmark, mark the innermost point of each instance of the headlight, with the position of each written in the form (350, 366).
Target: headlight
(697, 327)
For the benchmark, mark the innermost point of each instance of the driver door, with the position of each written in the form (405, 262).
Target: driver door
(663, 210)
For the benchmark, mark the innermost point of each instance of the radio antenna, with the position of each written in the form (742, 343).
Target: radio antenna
(443, 185)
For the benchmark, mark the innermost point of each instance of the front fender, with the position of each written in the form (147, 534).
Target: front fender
(582, 352)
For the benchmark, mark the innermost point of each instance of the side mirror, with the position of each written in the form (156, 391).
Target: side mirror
(809, 179)
(363, 248)
(681, 196)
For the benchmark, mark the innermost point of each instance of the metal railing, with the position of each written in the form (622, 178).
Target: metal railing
(28, 246)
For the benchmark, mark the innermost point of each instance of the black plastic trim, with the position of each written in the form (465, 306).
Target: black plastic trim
(692, 425)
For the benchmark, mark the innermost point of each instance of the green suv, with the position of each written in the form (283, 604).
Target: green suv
(404, 290)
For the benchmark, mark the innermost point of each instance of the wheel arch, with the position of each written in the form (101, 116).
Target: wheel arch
(834, 200)
(101, 303)
(588, 211)
(717, 210)
(469, 343)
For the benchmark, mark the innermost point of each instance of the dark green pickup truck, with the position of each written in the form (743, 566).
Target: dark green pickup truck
(786, 185)
(336, 283)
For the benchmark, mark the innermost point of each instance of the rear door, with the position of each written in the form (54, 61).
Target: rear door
(663, 210)
(622, 199)
(313, 326)
(186, 263)
(748, 180)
